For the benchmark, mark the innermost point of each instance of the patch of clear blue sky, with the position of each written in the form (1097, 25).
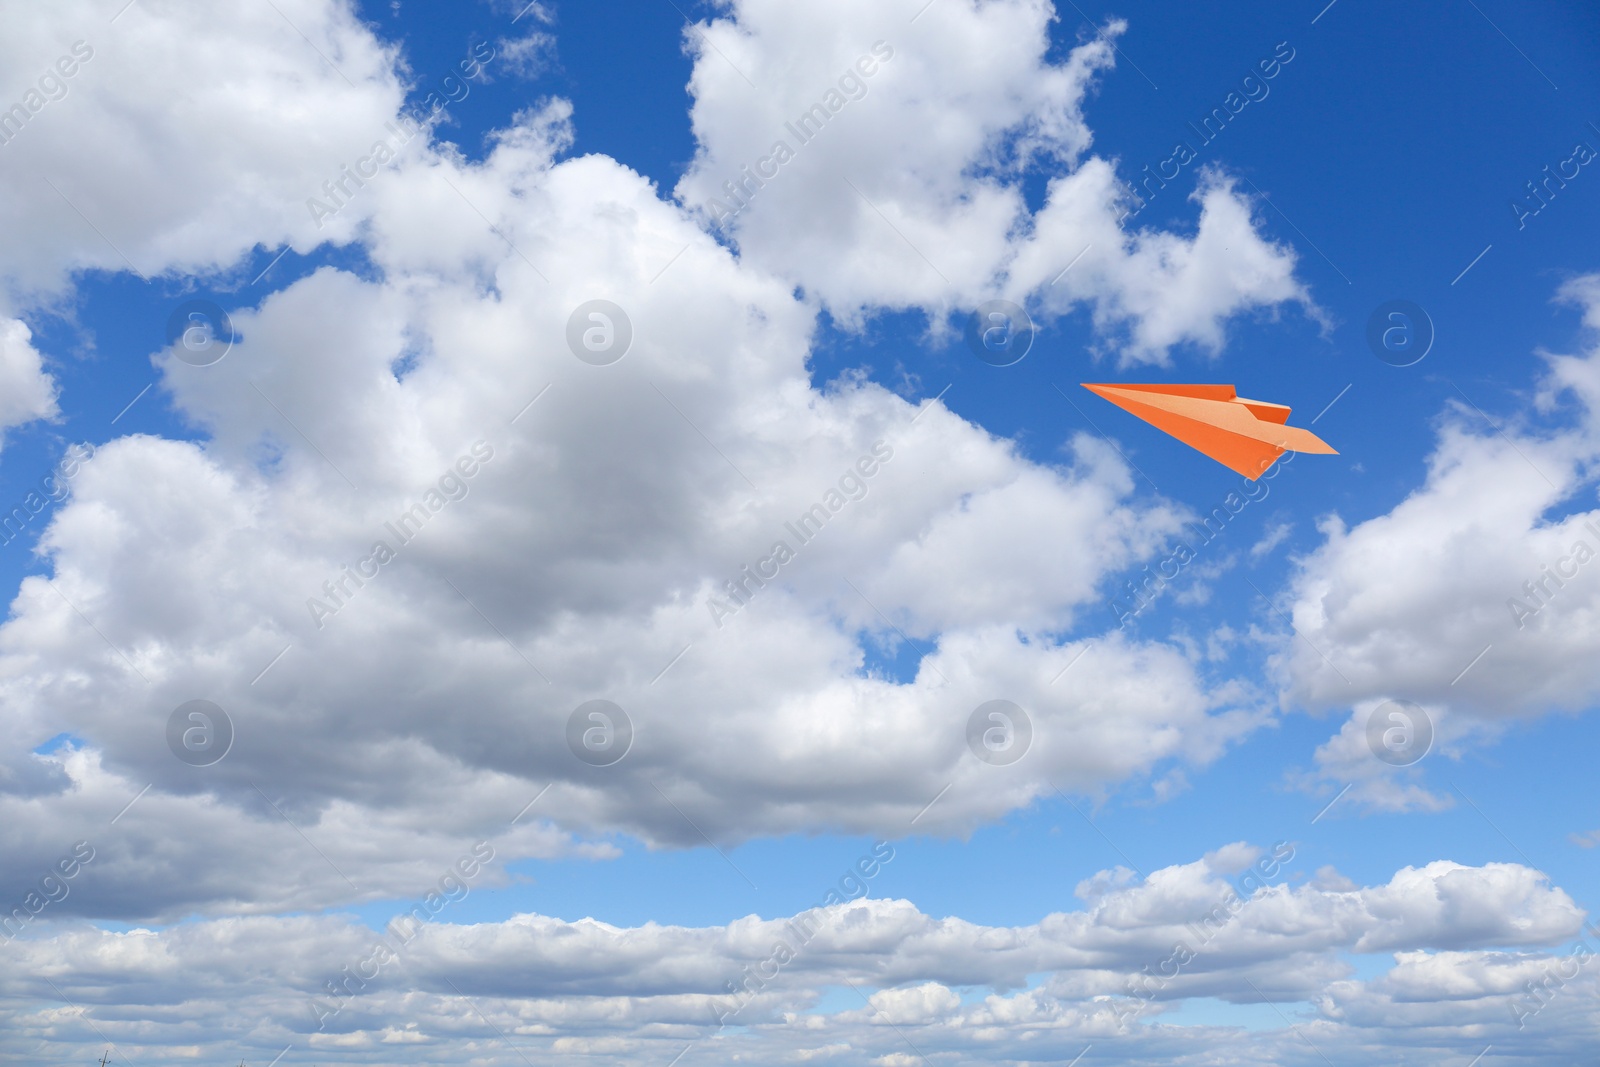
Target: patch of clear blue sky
(1391, 147)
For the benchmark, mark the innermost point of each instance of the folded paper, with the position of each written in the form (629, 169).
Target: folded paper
(1247, 436)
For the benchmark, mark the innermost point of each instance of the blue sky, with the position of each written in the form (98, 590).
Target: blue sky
(1380, 162)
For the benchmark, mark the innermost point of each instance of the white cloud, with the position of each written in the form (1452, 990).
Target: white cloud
(1401, 603)
(1348, 762)
(1271, 539)
(185, 134)
(1478, 594)
(586, 987)
(531, 54)
(910, 191)
(27, 392)
(581, 563)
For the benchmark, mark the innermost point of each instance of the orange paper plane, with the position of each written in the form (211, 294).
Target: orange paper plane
(1245, 435)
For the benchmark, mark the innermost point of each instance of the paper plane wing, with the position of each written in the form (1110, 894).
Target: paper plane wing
(1246, 436)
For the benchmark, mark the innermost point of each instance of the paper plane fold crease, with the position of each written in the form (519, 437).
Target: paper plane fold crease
(1246, 436)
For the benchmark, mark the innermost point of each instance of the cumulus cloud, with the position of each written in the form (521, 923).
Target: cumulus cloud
(27, 392)
(122, 164)
(1485, 552)
(1476, 596)
(570, 988)
(599, 603)
(902, 143)
(601, 547)
(1351, 761)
